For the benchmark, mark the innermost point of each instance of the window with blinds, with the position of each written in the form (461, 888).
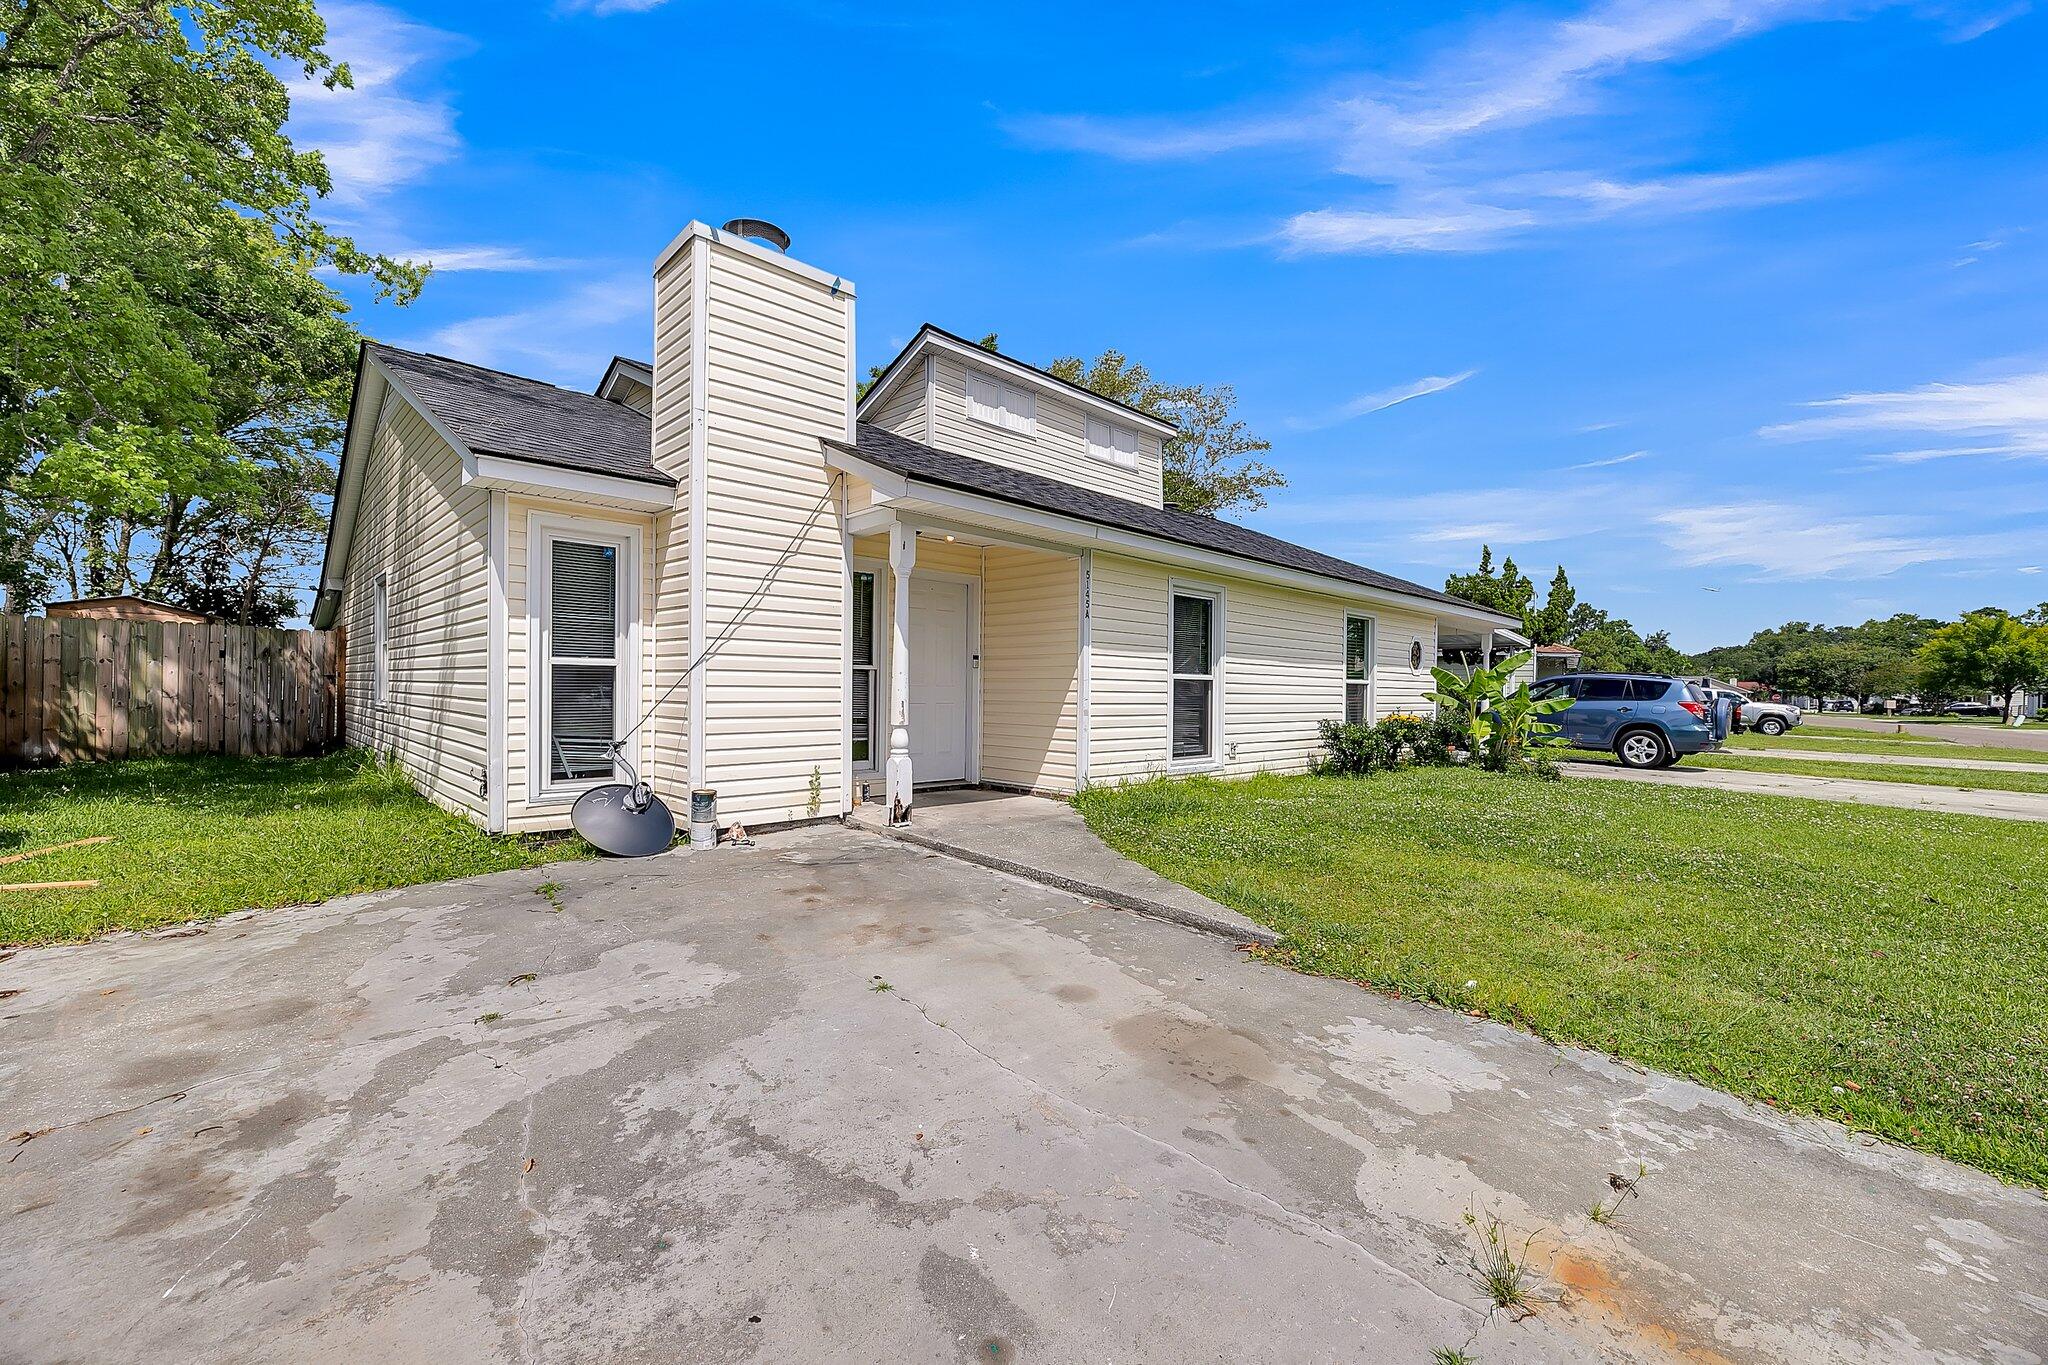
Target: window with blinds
(380, 637)
(1358, 670)
(1111, 443)
(583, 659)
(861, 710)
(1192, 650)
(1004, 405)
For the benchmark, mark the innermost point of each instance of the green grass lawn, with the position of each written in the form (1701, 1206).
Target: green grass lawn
(1887, 968)
(1908, 748)
(199, 837)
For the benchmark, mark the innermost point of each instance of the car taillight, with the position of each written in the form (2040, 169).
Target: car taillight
(1698, 710)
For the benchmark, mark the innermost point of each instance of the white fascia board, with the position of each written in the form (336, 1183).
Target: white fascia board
(583, 485)
(888, 484)
(349, 490)
(696, 231)
(622, 368)
(867, 523)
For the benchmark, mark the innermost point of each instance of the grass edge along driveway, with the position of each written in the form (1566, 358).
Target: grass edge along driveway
(196, 838)
(1884, 968)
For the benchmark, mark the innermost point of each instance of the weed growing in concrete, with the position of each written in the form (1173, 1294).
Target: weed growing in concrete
(552, 893)
(1501, 1266)
(881, 986)
(1606, 1208)
(1451, 1355)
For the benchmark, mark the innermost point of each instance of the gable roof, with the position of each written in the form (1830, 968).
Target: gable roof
(494, 413)
(932, 336)
(923, 463)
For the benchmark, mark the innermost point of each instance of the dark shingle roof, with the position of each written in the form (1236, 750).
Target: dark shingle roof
(927, 465)
(494, 413)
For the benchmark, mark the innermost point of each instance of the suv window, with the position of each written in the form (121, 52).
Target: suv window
(1604, 689)
(1648, 689)
(1552, 687)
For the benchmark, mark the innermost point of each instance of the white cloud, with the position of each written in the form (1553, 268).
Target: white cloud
(386, 131)
(1610, 461)
(566, 338)
(1381, 399)
(1434, 140)
(1521, 204)
(504, 259)
(2030, 568)
(2005, 417)
(608, 7)
(1786, 541)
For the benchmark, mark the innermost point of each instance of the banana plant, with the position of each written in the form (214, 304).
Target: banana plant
(1500, 725)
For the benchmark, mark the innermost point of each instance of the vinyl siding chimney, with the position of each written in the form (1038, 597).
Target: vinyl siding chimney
(753, 366)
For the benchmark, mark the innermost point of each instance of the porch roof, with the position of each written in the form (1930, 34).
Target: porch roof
(925, 464)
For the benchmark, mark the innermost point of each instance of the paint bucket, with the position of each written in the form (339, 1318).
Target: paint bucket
(703, 818)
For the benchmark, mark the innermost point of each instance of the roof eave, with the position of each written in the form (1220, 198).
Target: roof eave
(931, 336)
(893, 485)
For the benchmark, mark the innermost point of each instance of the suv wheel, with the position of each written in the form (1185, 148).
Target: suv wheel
(1643, 749)
(1771, 725)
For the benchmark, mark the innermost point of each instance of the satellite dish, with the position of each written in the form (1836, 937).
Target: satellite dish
(624, 819)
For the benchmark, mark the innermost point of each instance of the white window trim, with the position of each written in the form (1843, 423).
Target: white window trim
(542, 528)
(878, 730)
(1111, 457)
(380, 642)
(1371, 681)
(1213, 760)
(1014, 400)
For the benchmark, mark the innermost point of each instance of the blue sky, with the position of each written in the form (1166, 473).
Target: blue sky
(1736, 308)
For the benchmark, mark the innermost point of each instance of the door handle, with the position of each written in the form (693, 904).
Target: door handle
(1623, 710)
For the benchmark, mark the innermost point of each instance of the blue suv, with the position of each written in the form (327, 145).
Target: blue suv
(1648, 720)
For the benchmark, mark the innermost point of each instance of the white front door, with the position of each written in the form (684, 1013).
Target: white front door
(938, 680)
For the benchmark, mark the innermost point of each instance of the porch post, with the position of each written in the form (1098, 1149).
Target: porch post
(902, 558)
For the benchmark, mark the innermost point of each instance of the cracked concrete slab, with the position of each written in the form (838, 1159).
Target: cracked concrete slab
(834, 1098)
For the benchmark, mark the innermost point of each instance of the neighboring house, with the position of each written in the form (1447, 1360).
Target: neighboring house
(967, 577)
(122, 607)
(1552, 660)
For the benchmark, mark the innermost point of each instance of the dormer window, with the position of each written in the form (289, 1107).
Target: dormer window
(1002, 405)
(1112, 444)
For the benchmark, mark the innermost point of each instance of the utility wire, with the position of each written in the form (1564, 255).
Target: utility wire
(746, 608)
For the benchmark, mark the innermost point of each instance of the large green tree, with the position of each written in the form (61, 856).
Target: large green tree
(1209, 469)
(173, 359)
(1986, 651)
(1551, 624)
(1507, 590)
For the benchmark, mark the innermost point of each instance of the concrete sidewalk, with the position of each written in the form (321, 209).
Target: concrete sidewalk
(1981, 765)
(1910, 795)
(2030, 736)
(1047, 841)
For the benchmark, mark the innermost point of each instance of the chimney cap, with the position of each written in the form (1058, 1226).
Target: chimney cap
(759, 230)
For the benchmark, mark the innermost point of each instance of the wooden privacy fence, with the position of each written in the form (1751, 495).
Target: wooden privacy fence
(84, 690)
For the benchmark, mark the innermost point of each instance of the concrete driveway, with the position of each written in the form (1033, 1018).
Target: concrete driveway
(679, 1118)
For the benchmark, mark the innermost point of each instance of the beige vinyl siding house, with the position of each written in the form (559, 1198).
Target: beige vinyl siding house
(718, 570)
(417, 612)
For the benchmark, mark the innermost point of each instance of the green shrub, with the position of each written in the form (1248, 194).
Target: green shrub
(1351, 749)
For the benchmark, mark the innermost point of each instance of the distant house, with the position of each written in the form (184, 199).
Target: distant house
(1554, 659)
(122, 607)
